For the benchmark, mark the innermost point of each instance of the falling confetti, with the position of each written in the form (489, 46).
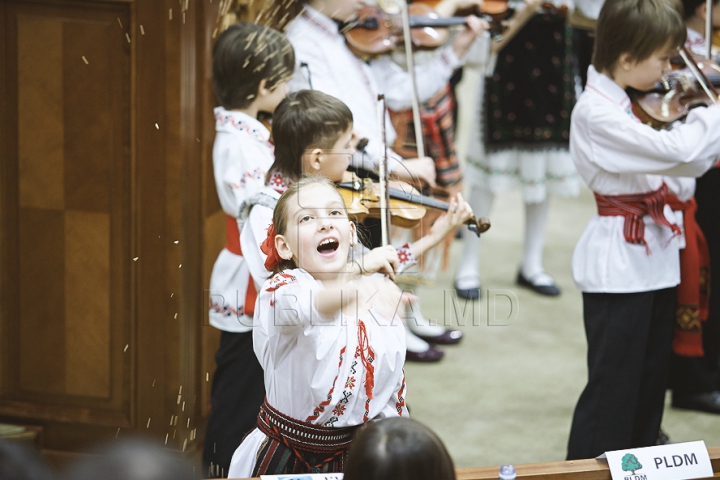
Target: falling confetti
(85, 60)
(179, 399)
(171, 419)
(119, 22)
(135, 259)
(117, 433)
(171, 295)
(180, 266)
(148, 424)
(175, 315)
(126, 348)
(180, 392)
(127, 35)
(154, 381)
(188, 424)
(170, 14)
(142, 30)
(184, 444)
(166, 438)
(207, 376)
(176, 242)
(158, 128)
(183, 406)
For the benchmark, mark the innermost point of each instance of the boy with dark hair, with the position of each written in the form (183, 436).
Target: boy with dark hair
(626, 263)
(251, 68)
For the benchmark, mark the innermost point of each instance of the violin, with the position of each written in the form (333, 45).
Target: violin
(407, 206)
(376, 32)
(678, 93)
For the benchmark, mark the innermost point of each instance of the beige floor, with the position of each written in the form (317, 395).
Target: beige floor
(506, 393)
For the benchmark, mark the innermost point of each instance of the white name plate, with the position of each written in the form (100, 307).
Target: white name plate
(304, 476)
(677, 461)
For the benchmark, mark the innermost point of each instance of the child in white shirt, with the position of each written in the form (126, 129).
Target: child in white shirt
(626, 263)
(327, 334)
(251, 67)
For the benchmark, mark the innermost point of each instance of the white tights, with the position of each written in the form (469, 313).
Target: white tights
(480, 199)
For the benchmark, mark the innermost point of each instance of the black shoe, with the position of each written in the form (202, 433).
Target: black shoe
(467, 293)
(702, 402)
(662, 438)
(448, 337)
(430, 355)
(549, 290)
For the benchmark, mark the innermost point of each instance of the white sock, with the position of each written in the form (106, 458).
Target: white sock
(535, 222)
(418, 324)
(468, 275)
(415, 343)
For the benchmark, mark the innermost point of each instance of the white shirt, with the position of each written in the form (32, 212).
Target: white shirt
(242, 154)
(615, 154)
(314, 371)
(335, 70)
(695, 42)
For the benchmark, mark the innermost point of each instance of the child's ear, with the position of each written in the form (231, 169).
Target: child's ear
(312, 160)
(283, 248)
(353, 234)
(262, 88)
(626, 61)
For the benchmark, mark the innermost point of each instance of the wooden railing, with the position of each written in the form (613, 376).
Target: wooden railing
(570, 470)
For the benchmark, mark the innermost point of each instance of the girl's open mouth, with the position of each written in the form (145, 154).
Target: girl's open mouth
(329, 245)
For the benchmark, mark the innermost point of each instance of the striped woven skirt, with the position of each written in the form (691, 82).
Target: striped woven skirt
(294, 446)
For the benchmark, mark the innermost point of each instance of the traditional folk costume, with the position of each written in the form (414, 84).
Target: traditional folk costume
(242, 154)
(696, 341)
(520, 137)
(330, 66)
(325, 63)
(626, 263)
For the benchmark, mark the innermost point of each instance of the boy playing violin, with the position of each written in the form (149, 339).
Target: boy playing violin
(626, 263)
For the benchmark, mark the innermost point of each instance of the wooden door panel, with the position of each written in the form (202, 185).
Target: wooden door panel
(66, 219)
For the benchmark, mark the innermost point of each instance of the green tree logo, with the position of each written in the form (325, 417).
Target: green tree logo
(630, 463)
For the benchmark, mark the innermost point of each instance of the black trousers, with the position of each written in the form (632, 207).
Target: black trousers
(238, 390)
(629, 337)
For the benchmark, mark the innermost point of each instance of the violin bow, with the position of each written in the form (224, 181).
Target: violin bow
(382, 174)
(708, 28)
(698, 74)
(413, 84)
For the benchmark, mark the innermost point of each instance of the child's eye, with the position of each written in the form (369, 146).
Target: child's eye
(306, 218)
(336, 212)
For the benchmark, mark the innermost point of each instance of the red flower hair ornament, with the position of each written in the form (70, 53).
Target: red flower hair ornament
(268, 248)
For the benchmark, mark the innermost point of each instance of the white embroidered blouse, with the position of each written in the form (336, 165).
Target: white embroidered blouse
(334, 371)
(242, 154)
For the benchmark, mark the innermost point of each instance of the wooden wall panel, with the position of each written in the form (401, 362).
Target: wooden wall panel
(96, 204)
(88, 116)
(40, 99)
(66, 296)
(87, 304)
(42, 301)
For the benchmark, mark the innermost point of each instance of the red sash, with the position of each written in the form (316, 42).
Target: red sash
(634, 207)
(692, 293)
(233, 245)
